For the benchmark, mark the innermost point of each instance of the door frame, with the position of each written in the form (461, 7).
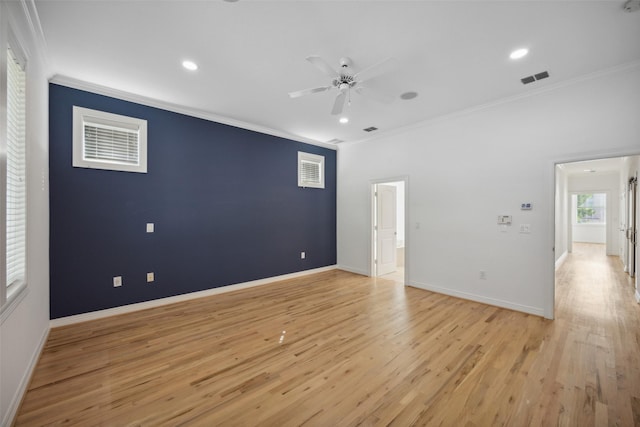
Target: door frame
(550, 300)
(372, 213)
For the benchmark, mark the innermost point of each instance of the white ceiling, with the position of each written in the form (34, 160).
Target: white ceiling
(455, 54)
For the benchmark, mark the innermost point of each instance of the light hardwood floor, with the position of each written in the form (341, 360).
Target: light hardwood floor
(338, 349)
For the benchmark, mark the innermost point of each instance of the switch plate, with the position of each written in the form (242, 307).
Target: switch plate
(303, 255)
(525, 228)
(526, 206)
(117, 281)
(504, 219)
(150, 277)
(150, 227)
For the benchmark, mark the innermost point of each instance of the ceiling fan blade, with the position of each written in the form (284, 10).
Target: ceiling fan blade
(382, 97)
(322, 65)
(304, 92)
(338, 105)
(375, 70)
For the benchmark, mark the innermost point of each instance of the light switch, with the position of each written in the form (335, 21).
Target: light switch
(525, 228)
(150, 227)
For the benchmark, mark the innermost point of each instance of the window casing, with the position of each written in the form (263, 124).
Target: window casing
(109, 141)
(310, 170)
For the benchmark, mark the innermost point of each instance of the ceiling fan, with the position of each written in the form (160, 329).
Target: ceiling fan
(345, 80)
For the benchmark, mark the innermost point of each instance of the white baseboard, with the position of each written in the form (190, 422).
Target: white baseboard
(84, 317)
(12, 410)
(353, 270)
(561, 260)
(481, 299)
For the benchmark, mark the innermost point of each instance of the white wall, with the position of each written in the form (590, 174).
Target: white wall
(467, 169)
(24, 322)
(608, 183)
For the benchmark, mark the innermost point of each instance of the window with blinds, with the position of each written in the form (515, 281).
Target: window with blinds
(16, 203)
(310, 170)
(109, 141)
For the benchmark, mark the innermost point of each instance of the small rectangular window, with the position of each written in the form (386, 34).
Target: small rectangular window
(310, 170)
(16, 191)
(591, 208)
(109, 141)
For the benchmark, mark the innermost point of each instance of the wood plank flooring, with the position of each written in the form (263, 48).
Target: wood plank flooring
(338, 349)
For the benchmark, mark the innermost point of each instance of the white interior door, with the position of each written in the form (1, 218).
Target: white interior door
(386, 229)
(632, 230)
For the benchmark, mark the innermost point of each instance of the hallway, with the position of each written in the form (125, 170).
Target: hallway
(597, 334)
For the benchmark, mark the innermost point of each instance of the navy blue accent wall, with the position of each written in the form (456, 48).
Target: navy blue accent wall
(224, 201)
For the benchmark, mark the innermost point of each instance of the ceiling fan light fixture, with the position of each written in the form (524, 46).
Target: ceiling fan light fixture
(519, 53)
(190, 65)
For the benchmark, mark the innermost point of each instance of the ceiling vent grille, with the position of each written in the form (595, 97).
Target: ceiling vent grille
(534, 78)
(370, 129)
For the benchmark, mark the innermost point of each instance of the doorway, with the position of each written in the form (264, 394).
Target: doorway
(388, 237)
(594, 207)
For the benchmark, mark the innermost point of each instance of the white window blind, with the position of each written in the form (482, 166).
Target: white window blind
(110, 144)
(16, 166)
(109, 141)
(310, 170)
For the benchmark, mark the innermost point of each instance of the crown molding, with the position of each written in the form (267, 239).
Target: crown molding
(180, 109)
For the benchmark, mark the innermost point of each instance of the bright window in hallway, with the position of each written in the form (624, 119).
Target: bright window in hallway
(591, 208)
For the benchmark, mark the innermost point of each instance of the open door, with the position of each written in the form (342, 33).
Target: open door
(632, 228)
(385, 229)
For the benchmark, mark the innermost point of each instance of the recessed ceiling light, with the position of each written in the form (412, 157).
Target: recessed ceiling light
(344, 120)
(519, 53)
(190, 65)
(409, 95)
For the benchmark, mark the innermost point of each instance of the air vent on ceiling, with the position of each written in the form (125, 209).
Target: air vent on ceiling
(370, 129)
(535, 77)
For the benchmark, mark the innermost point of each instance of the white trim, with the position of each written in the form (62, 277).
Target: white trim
(407, 238)
(481, 299)
(78, 318)
(638, 296)
(12, 409)
(13, 301)
(561, 260)
(83, 117)
(193, 112)
(353, 270)
(498, 102)
(315, 159)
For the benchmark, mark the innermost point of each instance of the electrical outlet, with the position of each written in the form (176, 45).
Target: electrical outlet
(117, 281)
(303, 255)
(483, 275)
(150, 277)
